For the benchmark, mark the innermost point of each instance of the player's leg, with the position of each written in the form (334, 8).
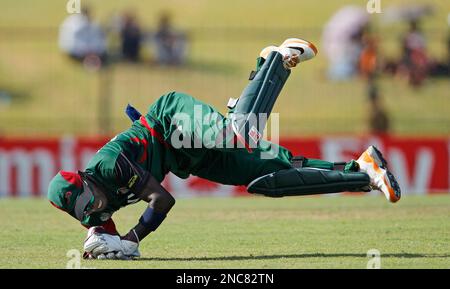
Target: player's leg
(193, 128)
(213, 125)
(294, 176)
(370, 171)
(351, 166)
(250, 111)
(284, 175)
(239, 167)
(202, 124)
(261, 168)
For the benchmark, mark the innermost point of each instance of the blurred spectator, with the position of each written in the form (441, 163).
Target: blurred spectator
(378, 117)
(368, 60)
(415, 62)
(342, 41)
(82, 39)
(442, 68)
(5, 98)
(170, 43)
(415, 59)
(131, 37)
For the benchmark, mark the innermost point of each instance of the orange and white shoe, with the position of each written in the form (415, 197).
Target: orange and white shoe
(372, 162)
(294, 51)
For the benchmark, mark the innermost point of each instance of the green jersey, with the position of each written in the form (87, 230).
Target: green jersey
(148, 144)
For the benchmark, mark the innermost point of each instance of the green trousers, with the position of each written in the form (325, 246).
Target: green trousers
(195, 132)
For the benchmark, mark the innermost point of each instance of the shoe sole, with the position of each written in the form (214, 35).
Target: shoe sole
(382, 163)
(291, 41)
(291, 44)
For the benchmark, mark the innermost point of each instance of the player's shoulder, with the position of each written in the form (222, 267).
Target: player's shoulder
(103, 161)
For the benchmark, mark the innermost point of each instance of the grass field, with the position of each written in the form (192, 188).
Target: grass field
(317, 232)
(225, 37)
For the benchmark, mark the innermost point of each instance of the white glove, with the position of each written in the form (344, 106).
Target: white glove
(98, 243)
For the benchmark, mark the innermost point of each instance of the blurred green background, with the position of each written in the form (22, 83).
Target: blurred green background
(51, 95)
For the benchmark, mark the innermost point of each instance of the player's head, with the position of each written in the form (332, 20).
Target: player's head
(67, 191)
(64, 189)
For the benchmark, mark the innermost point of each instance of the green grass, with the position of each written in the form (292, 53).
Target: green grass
(53, 96)
(253, 232)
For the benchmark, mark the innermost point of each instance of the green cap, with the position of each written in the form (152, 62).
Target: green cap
(64, 190)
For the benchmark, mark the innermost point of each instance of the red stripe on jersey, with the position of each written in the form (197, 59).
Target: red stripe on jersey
(145, 143)
(153, 132)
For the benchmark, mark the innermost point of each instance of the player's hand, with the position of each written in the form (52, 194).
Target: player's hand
(101, 245)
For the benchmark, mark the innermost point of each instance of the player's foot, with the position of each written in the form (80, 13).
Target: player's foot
(294, 51)
(372, 162)
(305, 49)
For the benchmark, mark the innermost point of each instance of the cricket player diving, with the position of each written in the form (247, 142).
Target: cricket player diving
(171, 137)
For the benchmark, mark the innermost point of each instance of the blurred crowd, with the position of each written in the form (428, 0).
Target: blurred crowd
(349, 41)
(122, 39)
(352, 49)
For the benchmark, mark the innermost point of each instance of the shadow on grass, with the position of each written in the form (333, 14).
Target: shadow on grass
(294, 256)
